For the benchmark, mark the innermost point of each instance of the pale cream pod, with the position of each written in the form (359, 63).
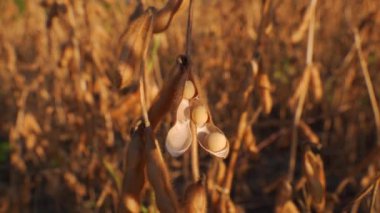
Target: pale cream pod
(213, 140)
(178, 139)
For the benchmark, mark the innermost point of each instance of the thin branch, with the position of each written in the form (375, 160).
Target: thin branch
(302, 98)
(374, 195)
(189, 30)
(194, 153)
(367, 78)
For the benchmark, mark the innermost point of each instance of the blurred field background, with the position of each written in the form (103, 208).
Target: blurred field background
(64, 125)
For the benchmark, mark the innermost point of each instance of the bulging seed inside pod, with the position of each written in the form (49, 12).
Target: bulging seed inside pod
(215, 142)
(189, 90)
(199, 115)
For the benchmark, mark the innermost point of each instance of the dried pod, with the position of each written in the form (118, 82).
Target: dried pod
(316, 183)
(316, 83)
(289, 207)
(134, 177)
(309, 133)
(299, 34)
(164, 16)
(195, 198)
(250, 141)
(137, 40)
(264, 90)
(284, 203)
(217, 144)
(189, 90)
(158, 175)
(178, 139)
(170, 96)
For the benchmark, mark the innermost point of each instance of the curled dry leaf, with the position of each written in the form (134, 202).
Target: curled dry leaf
(264, 91)
(195, 198)
(316, 184)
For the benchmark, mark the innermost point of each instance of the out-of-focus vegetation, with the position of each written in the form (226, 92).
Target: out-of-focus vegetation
(303, 132)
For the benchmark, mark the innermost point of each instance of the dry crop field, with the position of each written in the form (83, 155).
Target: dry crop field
(189, 106)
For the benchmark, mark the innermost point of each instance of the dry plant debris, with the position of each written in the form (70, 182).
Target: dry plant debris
(189, 106)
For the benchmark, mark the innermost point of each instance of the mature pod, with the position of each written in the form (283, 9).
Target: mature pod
(299, 34)
(134, 177)
(164, 16)
(309, 133)
(213, 140)
(171, 94)
(195, 198)
(158, 175)
(250, 141)
(316, 83)
(137, 40)
(284, 204)
(316, 182)
(264, 90)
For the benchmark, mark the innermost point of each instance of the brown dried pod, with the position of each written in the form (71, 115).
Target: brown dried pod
(299, 34)
(301, 87)
(284, 204)
(250, 141)
(289, 207)
(158, 175)
(171, 94)
(195, 198)
(316, 182)
(137, 40)
(264, 91)
(164, 16)
(316, 83)
(134, 177)
(309, 133)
